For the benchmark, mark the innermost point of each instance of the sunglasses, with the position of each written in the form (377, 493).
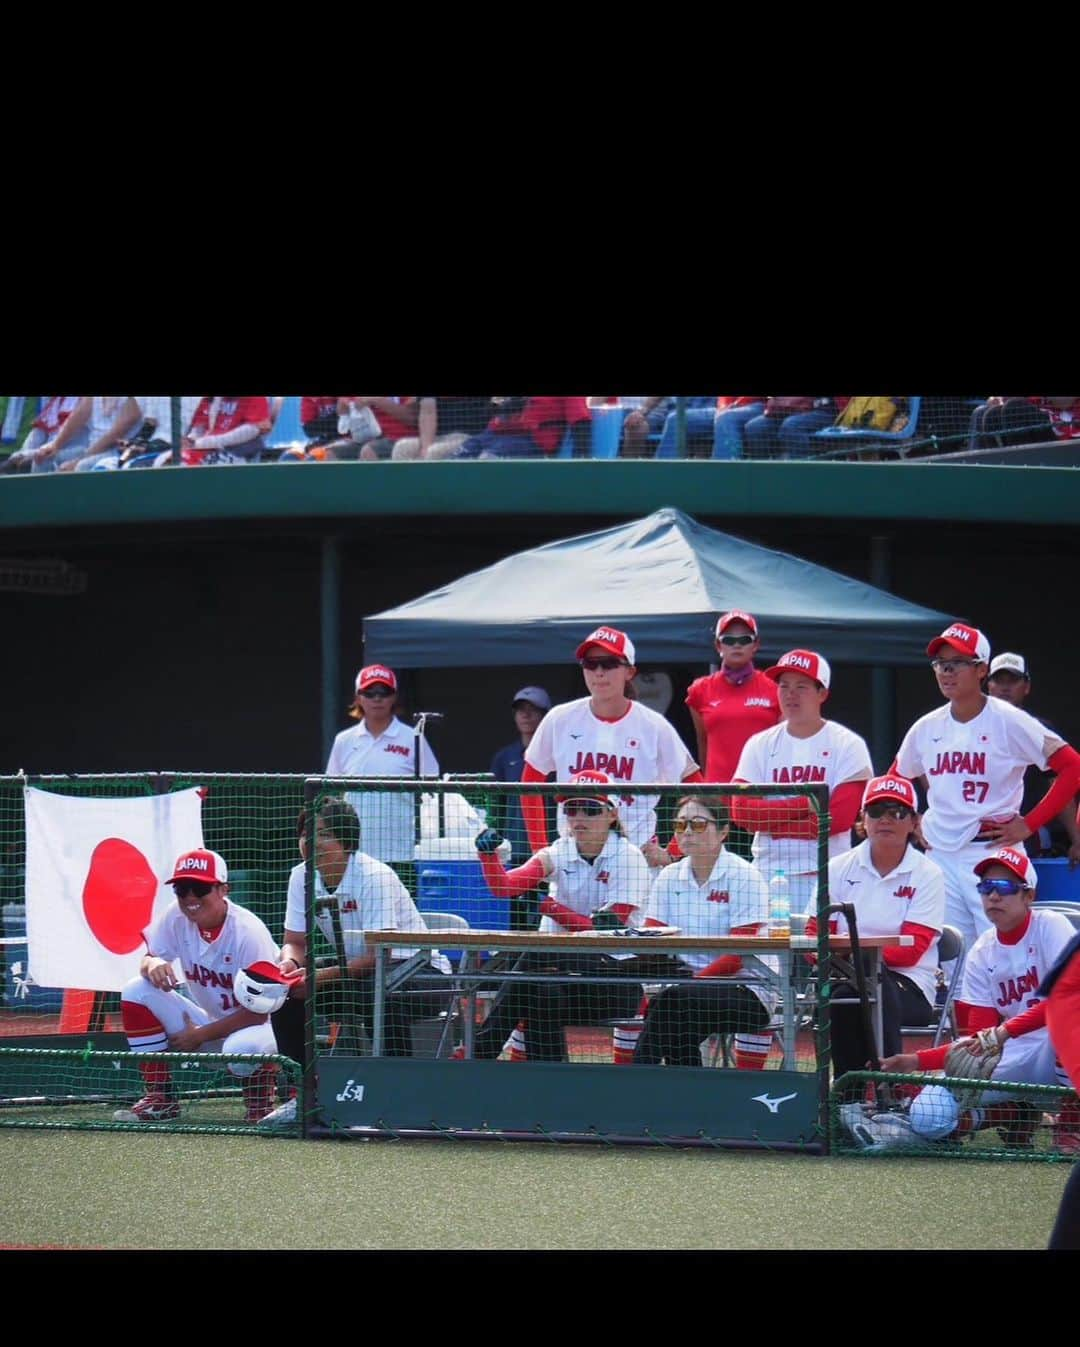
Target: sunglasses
(1002, 886)
(378, 693)
(590, 808)
(951, 665)
(737, 640)
(696, 825)
(881, 809)
(607, 662)
(187, 888)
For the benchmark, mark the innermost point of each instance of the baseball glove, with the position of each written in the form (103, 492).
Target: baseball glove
(489, 840)
(973, 1058)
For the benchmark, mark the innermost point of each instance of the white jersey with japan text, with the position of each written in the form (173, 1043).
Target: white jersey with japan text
(832, 756)
(641, 746)
(209, 966)
(974, 770)
(1007, 976)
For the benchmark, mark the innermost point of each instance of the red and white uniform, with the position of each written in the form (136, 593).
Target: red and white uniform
(370, 897)
(913, 893)
(974, 771)
(731, 712)
(733, 896)
(832, 756)
(387, 820)
(640, 746)
(208, 968)
(54, 413)
(224, 424)
(618, 876)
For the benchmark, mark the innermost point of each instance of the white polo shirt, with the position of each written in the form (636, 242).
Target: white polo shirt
(619, 874)
(913, 891)
(387, 819)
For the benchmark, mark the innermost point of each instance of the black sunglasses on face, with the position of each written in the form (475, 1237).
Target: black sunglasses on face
(377, 692)
(737, 640)
(186, 888)
(588, 807)
(882, 809)
(607, 662)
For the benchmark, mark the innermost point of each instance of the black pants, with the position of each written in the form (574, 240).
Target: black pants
(354, 999)
(547, 1008)
(681, 1016)
(902, 1002)
(1066, 1233)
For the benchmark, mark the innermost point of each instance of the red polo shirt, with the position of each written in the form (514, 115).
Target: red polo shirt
(731, 715)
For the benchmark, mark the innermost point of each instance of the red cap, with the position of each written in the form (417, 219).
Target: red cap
(586, 779)
(898, 789)
(1012, 858)
(736, 615)
(206, 866)
(807, 662)
(376, 673)
(968, 639)
(608, 638)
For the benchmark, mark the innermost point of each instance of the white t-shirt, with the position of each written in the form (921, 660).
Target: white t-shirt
(370, 897)
(832, 756)
(639, 746)
(104, 414)
(1007, 976)
(974, 771)
(914, 891)
(619, 874)
(387, 819)
(210, 965)
(734, 895)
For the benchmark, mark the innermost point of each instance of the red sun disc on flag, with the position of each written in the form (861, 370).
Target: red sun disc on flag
(118, 895)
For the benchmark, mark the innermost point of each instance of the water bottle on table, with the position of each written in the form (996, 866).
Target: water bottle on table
(779, 906)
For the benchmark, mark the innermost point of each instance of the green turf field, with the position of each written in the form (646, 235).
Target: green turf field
(124, 1191)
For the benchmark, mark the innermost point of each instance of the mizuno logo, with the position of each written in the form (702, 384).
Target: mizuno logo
(575, 736)
(773, 1105)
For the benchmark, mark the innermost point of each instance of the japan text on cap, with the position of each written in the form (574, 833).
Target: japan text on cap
(968, 639)
(206, 866)
(608, 638)
(889, 787)
(807, 662)
(535, 696)
(736, 615)
(1012, 858)
(376, 673)
(1009, 662)
(580, 784)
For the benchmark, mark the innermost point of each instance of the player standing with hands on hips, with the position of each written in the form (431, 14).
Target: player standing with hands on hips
(606, 732)
(972, 754)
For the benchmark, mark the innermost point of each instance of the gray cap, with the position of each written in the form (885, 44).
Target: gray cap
(1009, 663)
(537, 696)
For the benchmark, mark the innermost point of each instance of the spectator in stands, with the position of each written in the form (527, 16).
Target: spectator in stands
(710, 892)
(528, 428)
(784, 428)
(151, 444)
(659, 416)
(45, 427)
(444, 425)
(1010, 680)
(320, 418)
(226, 430)
(370, 897)
(732, 414)
(102, 422)
(398, 419)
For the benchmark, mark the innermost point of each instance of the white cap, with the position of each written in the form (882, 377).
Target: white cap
(1009, 663)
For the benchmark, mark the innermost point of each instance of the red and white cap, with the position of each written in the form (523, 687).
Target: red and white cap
(376, 673)
(898, 789)
(736, 615)
(206, 866)
(608, 638)
(807, 662)
(1012, 858)
(588, 781)
(969, 639)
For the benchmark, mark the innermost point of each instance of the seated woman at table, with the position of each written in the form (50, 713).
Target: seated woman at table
(710, 892)
(597, 879)
(895, 890)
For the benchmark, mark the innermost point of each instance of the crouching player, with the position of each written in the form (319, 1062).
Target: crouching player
(214, 940)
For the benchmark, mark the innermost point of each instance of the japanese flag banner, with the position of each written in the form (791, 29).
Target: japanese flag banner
(95, 872)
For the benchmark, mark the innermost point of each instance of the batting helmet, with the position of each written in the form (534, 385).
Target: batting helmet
(262, 987)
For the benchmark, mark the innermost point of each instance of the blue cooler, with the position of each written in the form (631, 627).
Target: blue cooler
(1057, 883)
(19, 994)
(449, 879)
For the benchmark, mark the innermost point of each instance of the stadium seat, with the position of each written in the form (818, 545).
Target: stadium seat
(286, 428)
(607, 423)
(834, 441)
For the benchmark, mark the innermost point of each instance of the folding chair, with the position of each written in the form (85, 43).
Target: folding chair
(951, 949)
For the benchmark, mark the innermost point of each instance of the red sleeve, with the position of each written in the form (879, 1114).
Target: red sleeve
(623, 911)
(575, 410)
(906, 956)
(253, 411)
(509, 883)
(844, 804)
(695, 694)
(794, 817)
(1026, 1022)
(727, 965)
(971, 1019)
(565, 916)
(200, 422)
(532, 810)
(1066, 762)
(933, 1059)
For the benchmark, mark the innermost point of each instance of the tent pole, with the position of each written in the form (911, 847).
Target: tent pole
(883, 741)
(330, 634)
